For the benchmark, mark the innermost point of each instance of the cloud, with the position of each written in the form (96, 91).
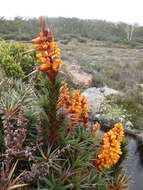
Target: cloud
(111, 10)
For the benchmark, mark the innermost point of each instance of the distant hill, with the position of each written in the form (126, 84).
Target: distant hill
(67, 28)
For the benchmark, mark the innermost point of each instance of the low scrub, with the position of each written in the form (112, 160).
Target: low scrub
(132, 103)
(14, 60)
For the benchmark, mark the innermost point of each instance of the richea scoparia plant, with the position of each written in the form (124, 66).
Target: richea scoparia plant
(46, 139)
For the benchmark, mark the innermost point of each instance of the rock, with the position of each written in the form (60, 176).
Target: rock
(129, 125)
(101, 110)
(140, 85)
(98, 58)
(107, 114)
(95, 99)
(79, 77)
(109, 91)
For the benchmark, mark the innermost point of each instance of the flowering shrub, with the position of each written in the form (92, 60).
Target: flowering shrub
(56, 148)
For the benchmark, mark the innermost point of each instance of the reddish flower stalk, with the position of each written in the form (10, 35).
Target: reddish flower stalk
(48, 54)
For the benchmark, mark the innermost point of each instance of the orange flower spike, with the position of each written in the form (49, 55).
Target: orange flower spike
(84, 110)
(119, 131)
(75, 107)
(49, 51)
(111, 149)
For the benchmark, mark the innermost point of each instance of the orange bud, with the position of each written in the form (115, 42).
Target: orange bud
(95, 129)
(53, 45)
(43, 67)
(36, 40)
(39, 48)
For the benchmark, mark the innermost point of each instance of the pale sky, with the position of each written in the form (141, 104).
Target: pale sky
(129, 11)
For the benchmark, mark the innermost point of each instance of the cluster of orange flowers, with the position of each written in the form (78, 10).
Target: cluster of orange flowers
(64, 97)
(48, 53)
(95, 129)
(74, 107)
(111, 150)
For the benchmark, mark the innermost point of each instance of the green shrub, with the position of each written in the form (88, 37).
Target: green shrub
(13, 61)
(132, 103)
(131, 44)
(65, 42)
(82, 40)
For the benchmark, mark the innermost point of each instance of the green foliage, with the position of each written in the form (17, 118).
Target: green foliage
(13, 61)
(81, 40)
(18, 29)
(65, 42)
(73, 166)
(14, 94)
(13, 97)
(67, 28)
(71, 155)
(113, 111)
(132, 44)
(70, 159)
(132, 104)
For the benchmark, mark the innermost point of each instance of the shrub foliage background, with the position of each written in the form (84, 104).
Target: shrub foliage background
(66, 28)
(13, 61)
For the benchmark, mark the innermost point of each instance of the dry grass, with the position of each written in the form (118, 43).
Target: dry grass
(117, 66)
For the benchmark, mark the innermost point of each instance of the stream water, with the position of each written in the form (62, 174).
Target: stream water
(134, 165)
